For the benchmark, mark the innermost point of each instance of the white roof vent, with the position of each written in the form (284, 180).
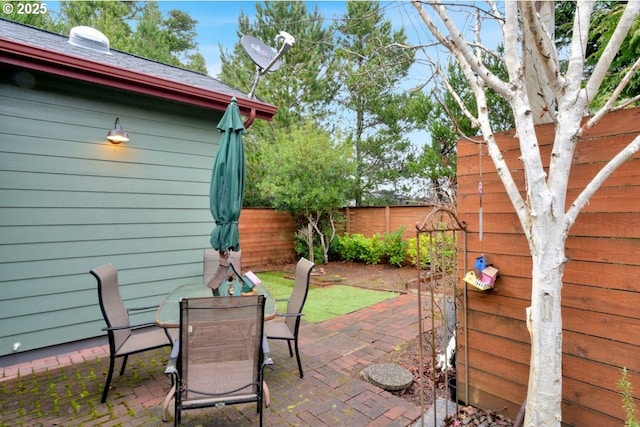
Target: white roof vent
(89, 38)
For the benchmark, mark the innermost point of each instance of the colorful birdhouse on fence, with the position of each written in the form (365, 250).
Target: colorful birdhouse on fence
(482, 262)
(484, 274)
(489, 274)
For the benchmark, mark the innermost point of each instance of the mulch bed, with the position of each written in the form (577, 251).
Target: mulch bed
(470, 416)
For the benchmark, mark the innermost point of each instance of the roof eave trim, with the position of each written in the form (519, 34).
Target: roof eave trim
(35, 58)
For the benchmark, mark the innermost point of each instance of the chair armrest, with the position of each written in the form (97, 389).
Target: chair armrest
(171, 368)
(138, 326)
(290, 314)
(150, 307)
(266, 352)
(172, 371)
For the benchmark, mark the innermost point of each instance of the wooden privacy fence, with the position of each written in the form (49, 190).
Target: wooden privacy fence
(384, 219)
(267, 236)
(601, 294)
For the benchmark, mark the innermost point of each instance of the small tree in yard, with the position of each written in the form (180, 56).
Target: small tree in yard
(541, 88)
(309, 176)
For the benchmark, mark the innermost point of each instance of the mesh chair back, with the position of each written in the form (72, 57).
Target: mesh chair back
(113, 309)
(220, 350)
(299, 293)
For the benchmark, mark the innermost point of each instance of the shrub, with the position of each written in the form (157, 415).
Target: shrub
(394, 248)
(443, 242)
(425, 250)
(358, 248)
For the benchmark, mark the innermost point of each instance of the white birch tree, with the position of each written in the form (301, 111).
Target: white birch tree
(565, 100)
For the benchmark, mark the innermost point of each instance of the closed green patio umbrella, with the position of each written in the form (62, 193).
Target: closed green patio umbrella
(227, 186)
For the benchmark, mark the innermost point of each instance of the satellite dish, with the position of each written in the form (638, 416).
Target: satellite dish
(261, 54)
(266, 58)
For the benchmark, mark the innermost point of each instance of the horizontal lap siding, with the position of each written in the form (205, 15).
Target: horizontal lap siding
(71, 201)
(601, 293)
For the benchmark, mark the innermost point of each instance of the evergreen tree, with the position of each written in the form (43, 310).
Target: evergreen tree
(372, 64)
(111, 18)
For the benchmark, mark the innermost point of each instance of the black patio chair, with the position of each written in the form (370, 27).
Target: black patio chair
(288, 330)
(124, 338)
(218, 359)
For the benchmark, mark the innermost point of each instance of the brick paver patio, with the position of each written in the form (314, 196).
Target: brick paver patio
(65, 390)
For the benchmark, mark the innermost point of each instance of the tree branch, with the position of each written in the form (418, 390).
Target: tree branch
(627, 103)
(631, 11)
(473, 119)
(454, 120)
(522, 211)
(496, 12)
(477, 75)
(409, 46)
(510, 34)
(609, 105)
(572, 103)
(459, 47)
(597, 181)
(488, 51)
(578, 48)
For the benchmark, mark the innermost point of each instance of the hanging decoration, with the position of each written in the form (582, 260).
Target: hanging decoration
(480, 191)
(484, 274)
(480, 210)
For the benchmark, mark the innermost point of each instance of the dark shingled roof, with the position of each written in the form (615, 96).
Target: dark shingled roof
(30, 36)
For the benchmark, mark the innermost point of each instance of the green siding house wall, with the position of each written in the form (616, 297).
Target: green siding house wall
(71, 201)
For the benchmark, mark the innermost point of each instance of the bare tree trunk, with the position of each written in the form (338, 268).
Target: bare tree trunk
(545, 325)
(309, 235)
(541, 97)
(326, 243)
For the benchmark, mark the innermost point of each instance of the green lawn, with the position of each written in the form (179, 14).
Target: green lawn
(323, 302)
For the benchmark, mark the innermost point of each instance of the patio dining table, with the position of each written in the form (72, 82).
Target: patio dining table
(168, 314)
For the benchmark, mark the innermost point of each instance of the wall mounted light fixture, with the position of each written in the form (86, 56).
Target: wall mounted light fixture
(117, 134)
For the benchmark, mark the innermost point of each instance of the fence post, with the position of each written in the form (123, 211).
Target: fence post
(387, 219)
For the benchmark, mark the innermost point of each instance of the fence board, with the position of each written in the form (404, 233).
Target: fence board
(576, 414)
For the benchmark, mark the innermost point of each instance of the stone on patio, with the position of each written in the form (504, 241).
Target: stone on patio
(388, 376)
